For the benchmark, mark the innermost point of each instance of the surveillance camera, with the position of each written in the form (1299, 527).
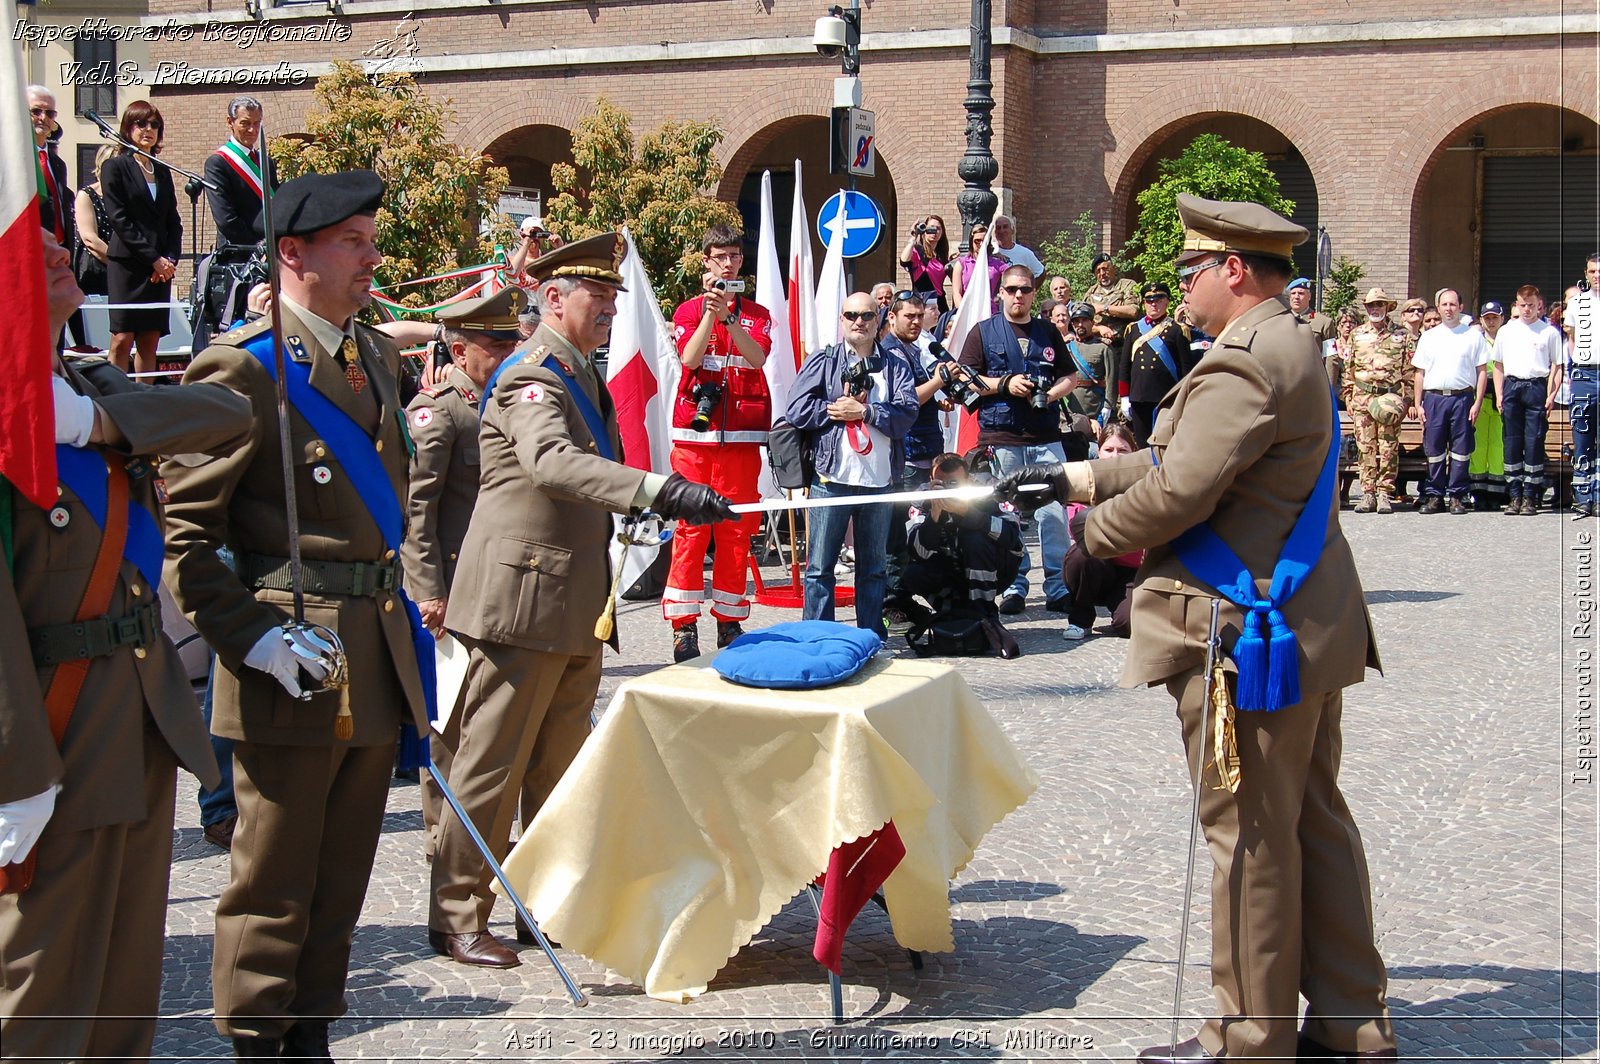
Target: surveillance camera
(830, 36)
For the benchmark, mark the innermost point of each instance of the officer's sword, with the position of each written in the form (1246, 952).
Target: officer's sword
(966, 491)
(1213, 647)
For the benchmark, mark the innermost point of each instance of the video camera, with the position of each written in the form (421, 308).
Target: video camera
(707, 394)
(736, 285)
(955, 380)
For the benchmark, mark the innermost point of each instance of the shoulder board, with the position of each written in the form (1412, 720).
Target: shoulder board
(246, 332)
(85, 363)
(1237, 336)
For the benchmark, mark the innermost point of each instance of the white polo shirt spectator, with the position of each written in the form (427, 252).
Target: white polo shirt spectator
(1449, 357)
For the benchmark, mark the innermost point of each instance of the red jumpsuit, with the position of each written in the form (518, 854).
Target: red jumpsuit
(726, 454)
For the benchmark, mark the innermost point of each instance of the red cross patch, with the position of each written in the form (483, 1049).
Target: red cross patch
(422, 418)
(533, 393)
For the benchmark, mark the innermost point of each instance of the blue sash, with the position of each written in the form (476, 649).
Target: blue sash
(591, 416)
(1269, 671)
(1159, 346)
(1083, 364)
(353, 450)
(83, 470)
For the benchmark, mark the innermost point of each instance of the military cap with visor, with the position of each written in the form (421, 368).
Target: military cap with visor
(596, 259)
(493, 315)
(1240, 228)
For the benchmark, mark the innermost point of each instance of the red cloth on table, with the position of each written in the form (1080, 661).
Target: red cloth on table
(855, 872)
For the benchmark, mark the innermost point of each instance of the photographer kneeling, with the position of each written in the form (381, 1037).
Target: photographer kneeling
(962, 552)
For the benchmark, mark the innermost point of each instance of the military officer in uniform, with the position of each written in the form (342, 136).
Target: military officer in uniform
(477, 334)
(1378, 376)
(1241, 444)
(1322, 327)
(95, 710)
(311, 776)
(534, 577)
(1154, 355)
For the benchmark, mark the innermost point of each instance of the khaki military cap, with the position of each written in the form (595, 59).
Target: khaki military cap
(495, 314)
(1376, 295)
(1245, 228)
(1414, 304)
(595, 259)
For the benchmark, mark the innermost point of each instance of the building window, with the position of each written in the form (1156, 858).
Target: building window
(96, 75)
(86, 171)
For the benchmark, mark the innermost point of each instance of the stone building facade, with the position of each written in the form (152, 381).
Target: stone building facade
(1437, 143)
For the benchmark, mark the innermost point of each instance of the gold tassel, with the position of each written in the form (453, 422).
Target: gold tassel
(1225, 751)
(344, 725)
(607, 623)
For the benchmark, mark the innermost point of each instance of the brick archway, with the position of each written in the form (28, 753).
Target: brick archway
(1152, 120)
(523, 105)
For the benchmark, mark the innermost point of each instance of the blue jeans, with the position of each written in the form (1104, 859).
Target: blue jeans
(1585, 395)
(828, 526)
(1053, 541)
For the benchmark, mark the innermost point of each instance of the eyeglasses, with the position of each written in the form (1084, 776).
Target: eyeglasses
(725, 256)
(858, 315)
(1018, 289)
(42, 112)
(147, 123)
(905, 294)
(1186, 274)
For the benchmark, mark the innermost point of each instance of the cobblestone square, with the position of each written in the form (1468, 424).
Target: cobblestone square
(1463, 764)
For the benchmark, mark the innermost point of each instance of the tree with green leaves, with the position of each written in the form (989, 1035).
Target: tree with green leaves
(1342, 290)
(440, 204)
(1210, 167)
(659, 187)
(1071, 254)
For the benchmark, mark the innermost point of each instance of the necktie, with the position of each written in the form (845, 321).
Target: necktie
(55, 196)
(350, 359)
(254, 157)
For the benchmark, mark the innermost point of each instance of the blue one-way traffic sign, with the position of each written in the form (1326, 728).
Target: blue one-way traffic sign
(861, 218)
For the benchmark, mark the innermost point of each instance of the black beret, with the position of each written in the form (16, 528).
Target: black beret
(316, 201)
(1098, 259)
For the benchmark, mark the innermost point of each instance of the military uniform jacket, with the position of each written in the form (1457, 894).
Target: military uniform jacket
(1240, 442)
(1323, 328)
(444, 483)
(1140, 370)
(1379, 359)
(100, 762)
(236, 501)
(535, 570)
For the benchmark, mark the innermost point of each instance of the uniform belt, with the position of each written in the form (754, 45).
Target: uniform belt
(1448, 391)
(1379, 389)
(321, 577)
(95, 638)
(1535, 377)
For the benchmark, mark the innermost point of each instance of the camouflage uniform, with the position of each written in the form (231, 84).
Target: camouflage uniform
(1379, 361)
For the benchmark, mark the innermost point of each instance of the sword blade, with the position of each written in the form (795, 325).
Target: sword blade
(285, 450)
(971, 491)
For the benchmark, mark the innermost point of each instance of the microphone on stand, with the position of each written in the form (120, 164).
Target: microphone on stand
(105, 128)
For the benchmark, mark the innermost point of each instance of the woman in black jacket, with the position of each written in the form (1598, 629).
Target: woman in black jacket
(145, 238)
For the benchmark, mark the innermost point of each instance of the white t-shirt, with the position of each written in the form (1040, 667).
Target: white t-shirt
(869, 466)
(1022, 255)
(1449, 358)
(1528, 350)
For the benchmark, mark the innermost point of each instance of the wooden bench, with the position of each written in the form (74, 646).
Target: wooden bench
(1414, 463)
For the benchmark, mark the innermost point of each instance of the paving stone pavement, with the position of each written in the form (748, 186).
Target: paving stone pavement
(1464, 765)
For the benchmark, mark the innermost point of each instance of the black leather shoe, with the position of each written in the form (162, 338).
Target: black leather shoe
(1012, 604)
(478, 948)
(1061, 604)
(1189, 1051)
(525, 935)
(220, 834)
(306, 1040)
(255, 1049)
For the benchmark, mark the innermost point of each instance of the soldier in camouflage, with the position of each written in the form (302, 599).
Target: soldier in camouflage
(1378, 364)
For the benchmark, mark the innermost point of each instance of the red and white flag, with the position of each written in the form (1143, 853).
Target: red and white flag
(831, 292)
(803, 341)
(27, 410)
(961, 427)
(642, 376)
(781, 366)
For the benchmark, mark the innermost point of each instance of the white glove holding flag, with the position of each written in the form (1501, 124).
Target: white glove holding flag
(74, 413)
(22, 822)
(282, 652)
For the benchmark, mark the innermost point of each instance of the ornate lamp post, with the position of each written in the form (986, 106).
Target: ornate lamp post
(978, 167)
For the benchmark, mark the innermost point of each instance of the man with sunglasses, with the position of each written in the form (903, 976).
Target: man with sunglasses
(56, 210)
(1241, 475)
(1015, 356)
(1322, 327)
(1156, 356)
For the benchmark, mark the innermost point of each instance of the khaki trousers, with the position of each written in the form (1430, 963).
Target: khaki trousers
(1291, 904)
(81, 950)
(524, 714)
(442, 749)
(309, 820)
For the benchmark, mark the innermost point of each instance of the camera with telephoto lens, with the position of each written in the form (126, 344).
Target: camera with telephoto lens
(1041, 380)
(707, 394)
(954, 380)
(857, 378)
(919, 229)
(735, 285)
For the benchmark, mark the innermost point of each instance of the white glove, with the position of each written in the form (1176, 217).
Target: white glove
(74, 413)
(281, 653)
(1126, 406)
(22, 822)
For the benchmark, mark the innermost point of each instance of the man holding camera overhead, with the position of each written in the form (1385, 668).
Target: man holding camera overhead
(720, 420)
(1024, 368)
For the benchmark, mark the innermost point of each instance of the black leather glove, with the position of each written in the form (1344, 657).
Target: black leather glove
(684, 500)
(1033, 486)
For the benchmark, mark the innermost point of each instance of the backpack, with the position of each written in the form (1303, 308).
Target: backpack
(791, 454)
(962, 634)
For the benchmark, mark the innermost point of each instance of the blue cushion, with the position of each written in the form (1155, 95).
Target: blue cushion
(797, 655)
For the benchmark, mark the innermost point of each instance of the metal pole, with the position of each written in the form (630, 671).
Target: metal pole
(978, 167)
(1213, 643)
(573, 992)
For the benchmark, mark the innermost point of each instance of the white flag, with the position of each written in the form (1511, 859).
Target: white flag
(960, 427)
(830, 286)
(781, 367)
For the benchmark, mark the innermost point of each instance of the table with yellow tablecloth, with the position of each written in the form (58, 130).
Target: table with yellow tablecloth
(698, 808)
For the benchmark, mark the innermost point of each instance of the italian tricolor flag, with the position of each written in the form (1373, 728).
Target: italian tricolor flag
(27, 411)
